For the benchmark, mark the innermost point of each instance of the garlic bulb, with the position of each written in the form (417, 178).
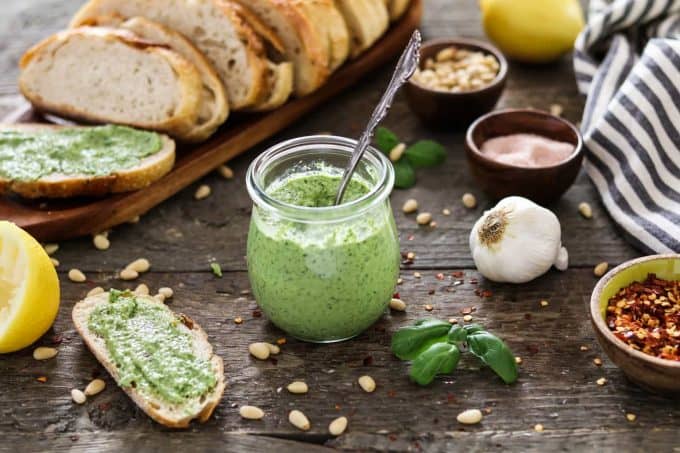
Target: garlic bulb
(517, 241)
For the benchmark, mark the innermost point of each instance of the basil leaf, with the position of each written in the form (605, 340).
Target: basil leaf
(410, 341)
(440, 358)
(494, 353)
(385, 139)
(216, 269)
(457, 335)
(425, 153)
(404, 175)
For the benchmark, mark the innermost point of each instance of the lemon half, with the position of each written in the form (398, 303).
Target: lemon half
(29, 289)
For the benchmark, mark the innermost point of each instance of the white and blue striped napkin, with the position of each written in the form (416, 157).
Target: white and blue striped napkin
(627, 62)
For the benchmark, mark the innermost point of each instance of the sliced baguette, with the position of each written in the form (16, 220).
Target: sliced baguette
(214, 108)
(280, 83)
(127, 80)
(367, 21)
(148, 171)
(397, 8)
(330, 24)
(171, 415)
(215, 28)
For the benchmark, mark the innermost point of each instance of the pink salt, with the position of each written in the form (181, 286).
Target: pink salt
(526, 150)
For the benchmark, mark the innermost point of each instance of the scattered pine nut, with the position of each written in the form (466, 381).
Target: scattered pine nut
(424, 218)
(297, 387)
(556, 109)
(337, 426)
(469, 200)
(601, 269)
(544, 303)
(55, 262)
(273, 348)
(433, 224)
(584, 348)
(410, 256)
(94, 291)
(417, 275)
(631, 417)
(470, 417)
(202, 192)
(585, 210)
(128, 274)
(453, 321)
(140, 265)
(41, 379)
(134, 220)
(44, 353)
(518, 360)
(299, 420)
(397, 305)
(142, 290)
(78, 396)
(539, 428)
(76, 275)
(601, 381)
(251, 412)
(238, 320)
(397, 152)
(446, 211)
(259, 350)
(225, 172)
(95, 387)
(467, 318)
(51, 249)
(281, 341)
(400, 281)
(101, 242)
(428, 307)
(166, 292)
(597, 361)
(367, 383)
(410, 206)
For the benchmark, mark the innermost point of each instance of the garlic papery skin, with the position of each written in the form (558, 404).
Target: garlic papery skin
(517, 241)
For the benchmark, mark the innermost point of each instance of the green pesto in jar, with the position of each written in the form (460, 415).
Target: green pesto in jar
(151, 349)
(92, 151)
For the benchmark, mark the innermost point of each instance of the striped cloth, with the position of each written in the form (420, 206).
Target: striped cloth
(627, 62)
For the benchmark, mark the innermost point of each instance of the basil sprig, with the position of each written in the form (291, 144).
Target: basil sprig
(435, 346)
(421, 154)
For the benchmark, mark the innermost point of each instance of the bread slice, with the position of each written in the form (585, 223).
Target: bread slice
(367, 21)
(148, 171)
(330, 25)
(103, 75)
(397, 8)
(215, 28)
(303, 45)
(214, 108)
(171, 415)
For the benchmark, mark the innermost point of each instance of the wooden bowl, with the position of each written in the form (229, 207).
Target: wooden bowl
(540, 184)
(651, 373)
(444, 109)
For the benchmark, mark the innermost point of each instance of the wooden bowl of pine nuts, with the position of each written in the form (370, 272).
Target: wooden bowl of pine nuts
(458, 80)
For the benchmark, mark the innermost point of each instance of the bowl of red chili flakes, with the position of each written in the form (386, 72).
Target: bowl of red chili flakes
(635, 311)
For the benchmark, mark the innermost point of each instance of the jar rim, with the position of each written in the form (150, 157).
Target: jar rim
(380, 189)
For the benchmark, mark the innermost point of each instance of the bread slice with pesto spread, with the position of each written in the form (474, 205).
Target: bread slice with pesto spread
(58, 184)
(147, 350)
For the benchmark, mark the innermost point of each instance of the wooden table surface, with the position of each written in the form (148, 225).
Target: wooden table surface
(557, 385)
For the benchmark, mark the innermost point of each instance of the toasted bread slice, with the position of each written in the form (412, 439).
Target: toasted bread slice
(280, 82)
(367, 21)
(397, 8)
(146, 172)
(214, 108)
(171, 415)
(127, 80)
(331, 26)
(214, 27)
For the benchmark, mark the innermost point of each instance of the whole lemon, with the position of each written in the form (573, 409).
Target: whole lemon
(532, 31)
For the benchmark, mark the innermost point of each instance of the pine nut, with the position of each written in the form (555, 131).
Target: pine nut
(585, 210)
(397, 305)
(44, 353)
(367, 384)
(601, 269)
(424, 218)
(51, 249)
(128, 274)
(397, 152)
(95, 387)
(166, 292)
(469, 200)
(467, 318)
(55, 262)
(446, 211)
(411, 256)
(101, 242)
(251, 412)
(410, 206)
(601, 381)
(597, 361)
(202, 192)
(140, 265)
(134, 220)
(299, 420)
(539, 428)
(226, 172)
(259, 350)
(338, 426)
(142, 290)
(631, 417)
(78, 396)
(470, 417)
(556, 109)
(75, 275)
(273, 348)
(297, 387)
(94, 291)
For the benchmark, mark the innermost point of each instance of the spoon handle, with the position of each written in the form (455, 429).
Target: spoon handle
(408, 62)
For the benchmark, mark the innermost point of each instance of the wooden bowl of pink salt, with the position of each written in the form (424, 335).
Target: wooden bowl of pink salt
(524, 152)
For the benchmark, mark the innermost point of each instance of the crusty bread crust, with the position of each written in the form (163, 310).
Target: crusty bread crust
(160, 411)
(331, 27)
(397, 8)
(148, 171)
(280, 87)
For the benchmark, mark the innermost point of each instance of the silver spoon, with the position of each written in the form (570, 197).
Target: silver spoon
(408, 62)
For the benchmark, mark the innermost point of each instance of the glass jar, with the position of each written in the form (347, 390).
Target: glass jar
(322, 274)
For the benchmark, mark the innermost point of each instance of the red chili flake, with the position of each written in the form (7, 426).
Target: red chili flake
(527, 316)
(57, 339)
(338, 407)
(411, 237)
(368, 360)
(257, 314)
(646, 316)
(466, 310)
(430, 292)
(474, 281)
(532, 348)
(396, 296)
(392, 437)
(75, 438)
(281, 341)
(487, 293)
(104, 406)
(439, 276)
(41, 379)
(391, 393)
(450, 398)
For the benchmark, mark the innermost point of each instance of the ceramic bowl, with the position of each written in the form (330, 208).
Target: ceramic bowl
(540, 184)
(444, 109)
(651, 373)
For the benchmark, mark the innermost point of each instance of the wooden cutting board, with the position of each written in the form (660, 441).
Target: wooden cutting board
(54, 220)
